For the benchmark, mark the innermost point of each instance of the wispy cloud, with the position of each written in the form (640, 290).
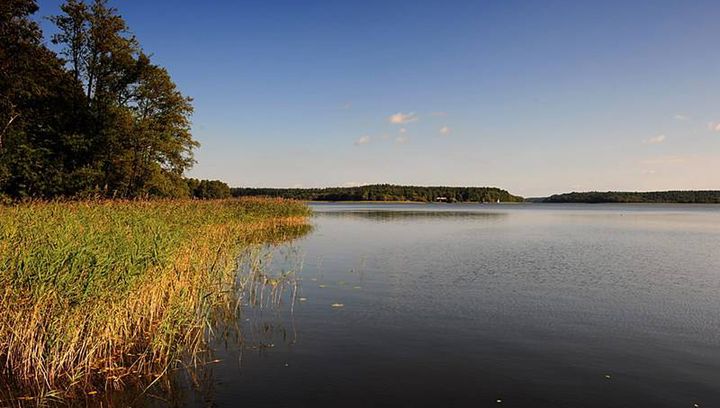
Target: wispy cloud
(649, 172)
(680, 116)
(403, 130)
(655, 139)
(445, 131)
(362, 140)
(402, 118)
(438, 113)
(714, 126)
(402, 139)
(346, 105)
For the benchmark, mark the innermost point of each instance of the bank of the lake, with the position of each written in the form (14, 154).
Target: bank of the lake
(99, 295)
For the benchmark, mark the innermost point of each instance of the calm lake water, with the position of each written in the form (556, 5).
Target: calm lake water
(467, 305)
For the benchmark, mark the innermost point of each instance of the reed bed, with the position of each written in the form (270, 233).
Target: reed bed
(98, 295)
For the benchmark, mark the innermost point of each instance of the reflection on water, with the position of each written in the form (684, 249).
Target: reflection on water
(390, 216)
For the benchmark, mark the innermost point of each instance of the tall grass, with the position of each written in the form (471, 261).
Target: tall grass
(96, 295)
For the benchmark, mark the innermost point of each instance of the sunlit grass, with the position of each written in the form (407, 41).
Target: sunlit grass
(96, 295)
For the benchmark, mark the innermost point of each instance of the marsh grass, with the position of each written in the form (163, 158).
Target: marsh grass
(95, 296)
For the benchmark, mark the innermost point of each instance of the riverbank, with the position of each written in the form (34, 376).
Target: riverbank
(98, 295)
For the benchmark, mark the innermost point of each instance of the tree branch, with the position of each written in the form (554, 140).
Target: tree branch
(5, 129)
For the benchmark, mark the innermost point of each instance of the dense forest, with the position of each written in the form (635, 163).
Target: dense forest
(385, 192)
(93, 116)
(686, 197)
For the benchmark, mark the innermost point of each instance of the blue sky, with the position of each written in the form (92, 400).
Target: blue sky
(537, 97)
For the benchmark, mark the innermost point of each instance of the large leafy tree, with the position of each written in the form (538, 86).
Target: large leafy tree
(141, 122)
(100, 118)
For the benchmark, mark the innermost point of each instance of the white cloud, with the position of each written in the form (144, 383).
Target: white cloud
(402, 118)
(655, 140)
(445, 131)
(402, 139)
(363, 140)
(681, 117)
(714, 126)
(403, 130)
(649, 172)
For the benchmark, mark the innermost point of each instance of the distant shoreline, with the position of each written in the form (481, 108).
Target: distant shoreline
(390, 193)
(626, 197)
(386, 193)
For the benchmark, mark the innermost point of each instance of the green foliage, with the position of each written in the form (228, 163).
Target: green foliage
(685, 197)
(385, 192)
(208, 189)
(102, 120)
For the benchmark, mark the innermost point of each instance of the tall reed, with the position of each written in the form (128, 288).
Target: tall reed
(96, 295)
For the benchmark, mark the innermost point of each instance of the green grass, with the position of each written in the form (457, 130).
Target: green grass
(96, 295)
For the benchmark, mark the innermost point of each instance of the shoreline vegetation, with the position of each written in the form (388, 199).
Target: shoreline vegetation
(100, 296)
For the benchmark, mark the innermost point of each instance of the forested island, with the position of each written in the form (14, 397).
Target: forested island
(680, 197)
(386, 192)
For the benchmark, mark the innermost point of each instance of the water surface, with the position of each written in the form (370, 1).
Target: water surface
(467, 305)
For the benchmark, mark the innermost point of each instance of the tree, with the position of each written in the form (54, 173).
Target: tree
(140, 126)
(208, 189)
(101, 120)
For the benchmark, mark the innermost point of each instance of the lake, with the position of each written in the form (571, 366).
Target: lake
(455, 305)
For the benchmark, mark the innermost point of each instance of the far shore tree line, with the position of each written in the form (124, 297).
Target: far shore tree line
(385, 192)
(97, 118)
(680, 197)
